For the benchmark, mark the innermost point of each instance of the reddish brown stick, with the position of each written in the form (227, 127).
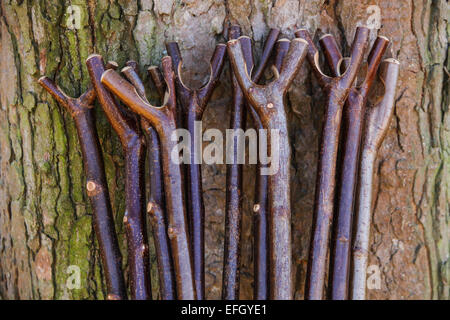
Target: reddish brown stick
(155, 206)
(260, 214)
(158, 80)
(337, 90)
(127, 128)
(268, 102)
(97, 187)
(233, 210)
(376, 126)
(163, 120)
(192, 106)
(352, 122)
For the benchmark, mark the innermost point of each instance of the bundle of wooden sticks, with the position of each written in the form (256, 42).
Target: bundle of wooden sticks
(175, 206)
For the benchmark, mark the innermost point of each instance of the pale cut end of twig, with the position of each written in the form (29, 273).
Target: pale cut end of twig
(391, 60)
(270, 105)
(124, 69)
(91, 186)
(300, 40)
(256, 207)
(241, 37)
(112, 65)
(105, 73)
(301, 29)
(283, 40)
(325, 36)
(383, 37)
(171, 232)
(113, 297)
(42, 79)
(233, 42)
(93, 56)
(149, 207)
(144, 249)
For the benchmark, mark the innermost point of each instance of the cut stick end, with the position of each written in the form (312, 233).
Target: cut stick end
(42, 79)
(300, 40)
(242, 37)
(391, 60)
(383, 37)
(233, 43)
(112, 65)
(326, 36)
(105, 73)
(283, 40)
(125, 69)
(94, 55)
(113, 297)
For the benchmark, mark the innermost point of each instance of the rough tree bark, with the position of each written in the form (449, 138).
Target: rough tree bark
(45, 222)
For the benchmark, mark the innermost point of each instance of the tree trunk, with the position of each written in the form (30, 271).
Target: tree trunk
(46, 232)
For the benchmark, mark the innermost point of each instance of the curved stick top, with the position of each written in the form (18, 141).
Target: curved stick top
(335, 61)
(289, 67)
(130, 96)
(379, 116)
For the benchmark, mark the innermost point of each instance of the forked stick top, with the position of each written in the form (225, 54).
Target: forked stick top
(203, 93)
(72, 105)
(289, 67)
(357, 54)
(334, 58)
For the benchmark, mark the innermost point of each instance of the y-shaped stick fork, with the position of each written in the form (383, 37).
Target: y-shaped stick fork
(192, 105)
(268, 103)
(97, 188)
(337, 90)
(376, 126)
(353, 119)
(163, 121)
(231, 263)
(133, 144)
(155, 206)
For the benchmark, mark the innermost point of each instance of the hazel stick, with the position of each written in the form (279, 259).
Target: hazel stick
(127, 128)
(268, 102)
(352, 124)
(233, 210)
(192, 106)
(97, 188)
(155, 205)
(260, 214)
(337, 90)
(376, 126)
(163, 120)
